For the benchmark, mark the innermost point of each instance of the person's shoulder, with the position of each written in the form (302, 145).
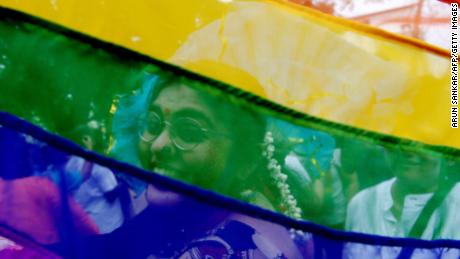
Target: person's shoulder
(75, 160)
(102, 171)
(456, 190)
(453, 198)
(103, 174)
(370, 193)
(367, 204)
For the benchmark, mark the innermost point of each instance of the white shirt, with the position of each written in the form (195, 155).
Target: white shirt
(370, 212)
(90, 195)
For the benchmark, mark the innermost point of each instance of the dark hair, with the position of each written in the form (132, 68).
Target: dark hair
(96, 135)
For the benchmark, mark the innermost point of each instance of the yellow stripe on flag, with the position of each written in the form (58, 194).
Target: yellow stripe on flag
(318, 64)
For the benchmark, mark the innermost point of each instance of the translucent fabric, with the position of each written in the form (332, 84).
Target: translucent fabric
(318, 64)
(214, 136)
(47, 211)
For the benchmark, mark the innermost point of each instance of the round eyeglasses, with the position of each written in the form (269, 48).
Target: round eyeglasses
(185, 133)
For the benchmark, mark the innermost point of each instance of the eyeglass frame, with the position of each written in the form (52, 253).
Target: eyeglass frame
(167, 124)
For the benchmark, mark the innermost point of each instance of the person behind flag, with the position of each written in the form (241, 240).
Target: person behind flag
(393, 207)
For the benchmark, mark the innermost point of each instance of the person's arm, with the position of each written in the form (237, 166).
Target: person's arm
(83, 223)
(55, 198)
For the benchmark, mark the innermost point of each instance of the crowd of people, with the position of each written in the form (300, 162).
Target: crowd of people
(214, 141)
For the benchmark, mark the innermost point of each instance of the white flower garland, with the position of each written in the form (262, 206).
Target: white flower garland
(287, 199)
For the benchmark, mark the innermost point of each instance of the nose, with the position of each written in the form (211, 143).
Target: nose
(162, 142)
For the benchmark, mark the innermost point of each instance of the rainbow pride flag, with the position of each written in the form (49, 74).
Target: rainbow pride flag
(221, 129)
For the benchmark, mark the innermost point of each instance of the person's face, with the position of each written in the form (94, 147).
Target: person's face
(185, 145)
(419, 172)
(88, 141)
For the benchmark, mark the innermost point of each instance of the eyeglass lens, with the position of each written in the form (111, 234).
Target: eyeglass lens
(185, 132)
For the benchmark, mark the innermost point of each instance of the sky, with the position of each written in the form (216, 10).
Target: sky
(436, 34)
